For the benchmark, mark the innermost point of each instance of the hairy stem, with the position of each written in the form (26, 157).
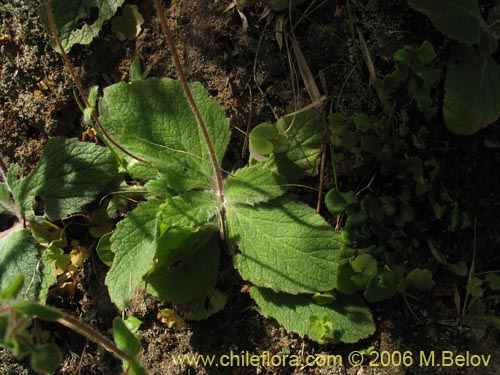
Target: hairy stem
(192, 103)
(94, 336)
(78, 84)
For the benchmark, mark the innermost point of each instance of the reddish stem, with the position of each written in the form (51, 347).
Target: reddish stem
(78, 84)
(192, 103)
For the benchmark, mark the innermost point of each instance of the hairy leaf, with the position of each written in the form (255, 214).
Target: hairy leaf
(134, 246)
(349, 319)
(284, 245)
(192, 209)
(69, 14)
(187, 264)
(472, 91)
(153, 119)
(298, 154)
(124, 338)
(20, 255)
(69, 174)
(254, 184)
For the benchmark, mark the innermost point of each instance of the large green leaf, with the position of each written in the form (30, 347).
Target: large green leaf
(187, 264)
(69, 15)
(153, 119)
(254, 184)
(472, 91)
(191, 209)
(344, 320)
(20, 255)
(284, 245)
(457, 19)
(69, 174)
(134, 246)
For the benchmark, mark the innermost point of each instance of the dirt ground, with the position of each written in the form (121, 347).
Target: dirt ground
(248, 73)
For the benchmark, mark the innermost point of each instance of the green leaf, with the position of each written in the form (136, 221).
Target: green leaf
(477, 319)
(6, 201)
(382, 286)
(472, 91)
(426, 53)
(365, 267)
(133, 324)
(299, 151)
(323, 298)
(192, 209)
(459, 269)
(20, 255)
(134, 246)
(362, 121)
(284, 245)
(475, 287)
(135, 368)
(104, 251)
(251, 185)
(350, 320)
(46, 358)
(69, 14)
(493, 280)
(263, 139)
(187, 264)
(12, 290)
(458, 19)
(336, 201)
(128, 25)
(124, 338)
(421, 279)
(69, 174)
(153, 120)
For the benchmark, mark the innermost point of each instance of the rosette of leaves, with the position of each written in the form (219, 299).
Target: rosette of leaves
(170, 243)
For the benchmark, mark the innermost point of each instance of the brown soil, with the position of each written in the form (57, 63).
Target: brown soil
(250, 75)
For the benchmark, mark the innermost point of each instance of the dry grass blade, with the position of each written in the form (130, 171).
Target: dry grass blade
(367, 56)
(305, 72)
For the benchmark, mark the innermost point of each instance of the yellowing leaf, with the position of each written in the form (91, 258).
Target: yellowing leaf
(171, 319)
(78, 255)
(128, 25)
(47, 233)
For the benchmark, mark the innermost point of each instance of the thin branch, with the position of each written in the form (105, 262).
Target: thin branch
(78, 84)
(192, 103)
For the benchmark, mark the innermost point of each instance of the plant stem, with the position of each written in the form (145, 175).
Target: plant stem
(94, 336)
(78, 84)
(192, 103)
